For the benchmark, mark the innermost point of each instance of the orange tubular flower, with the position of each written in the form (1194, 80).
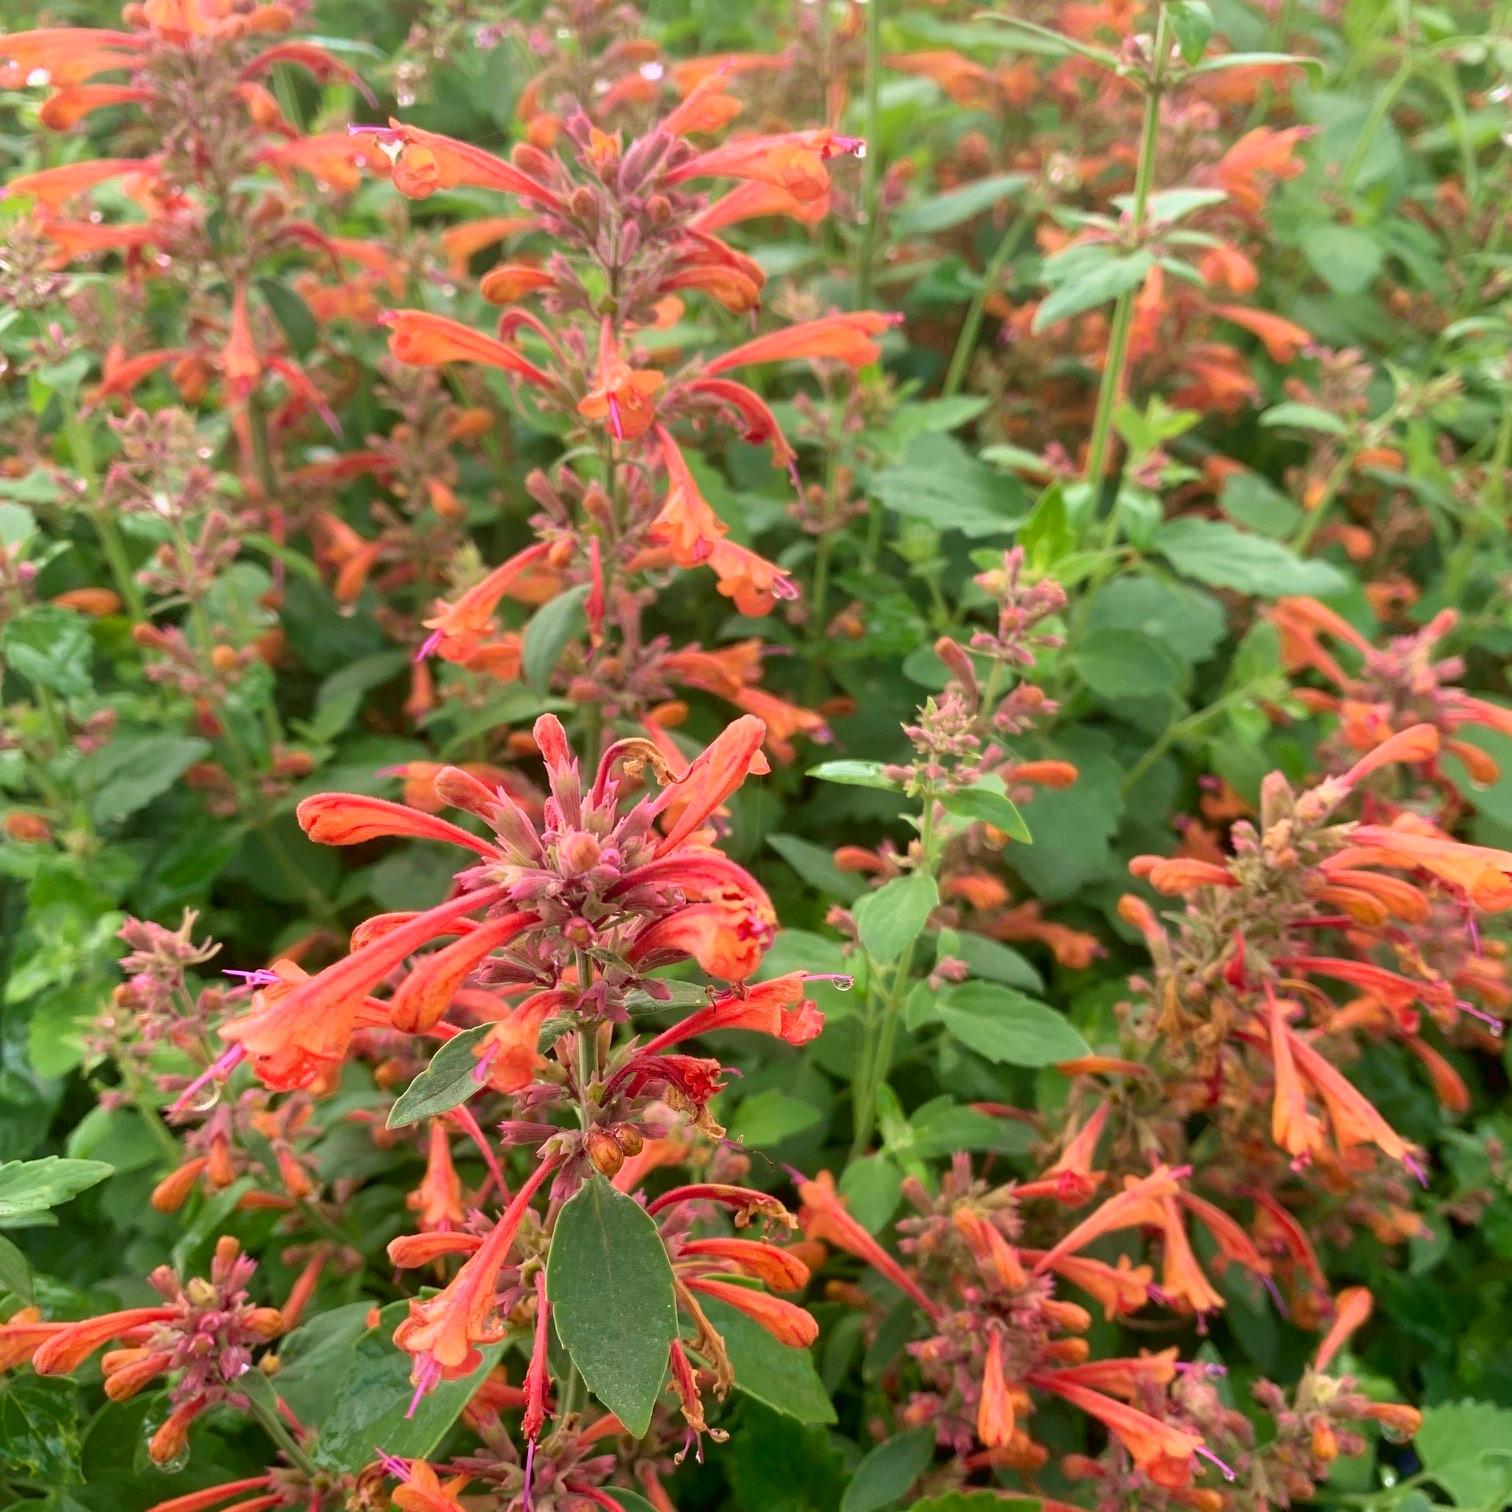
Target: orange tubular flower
(427, 992)
(301, 1028)
(1352, 1309)
(838, 338)
(787, 1323)
(511, 281)
(823, 1216)
(421, 339)
(68, 1348)
(442, 1332)
(1161, 1451)
(67, 54)
(775, 1267)
(995, 1416)
(355, 819)
(793, 162)
(622, 394)
(51, 186)
(425, 161)
(777, 1007)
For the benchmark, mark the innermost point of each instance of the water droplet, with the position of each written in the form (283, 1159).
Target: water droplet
(861, 151)
(206, 1098)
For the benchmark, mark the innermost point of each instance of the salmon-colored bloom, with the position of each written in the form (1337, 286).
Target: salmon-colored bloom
(442, 1332)
(52, 186)
(1352, 1309)
(622, 394)
(301, 1027)
(824, 1216)
(995, 1416)
(426, 161)
(785, 1321)
(1165, 1453)
(421, 339)
(776, 1007)
(846, 338)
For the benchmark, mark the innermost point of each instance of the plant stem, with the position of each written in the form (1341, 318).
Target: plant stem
(281, 1436)
(876, 1060)
(1012, 239)
(871, 191)
(1123, 311)
(81, 449)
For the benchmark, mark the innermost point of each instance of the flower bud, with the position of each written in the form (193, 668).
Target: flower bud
(604, 1151)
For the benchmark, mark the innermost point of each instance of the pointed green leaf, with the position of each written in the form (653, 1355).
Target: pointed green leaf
(893, 917)
(612, 1300)
(449, 1080)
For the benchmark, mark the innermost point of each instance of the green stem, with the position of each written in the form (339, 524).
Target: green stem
(871, 192)
(1380, 107)
(877, 1056)
(81, 449)
(1112, 384)
(141, 1101)
(282, 1437)
(1013, 238)
(1179, 731)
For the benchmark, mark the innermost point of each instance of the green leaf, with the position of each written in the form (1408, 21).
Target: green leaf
(17, 525)
(817, 867)
(986, 801)
(941, 1128)
(994, 960)
(1304, 417)
(15, 1273)
(1251, 501)
(375, 1393)
(1073, 826)
(893, 917)
(1007, 1027)
(940, 482)
(1192, 22)
(292, 313)
(1125, 664)
(552, 627)
(610, 1285)
(1466, 1447)
(33, 1186)
(50, 647)
(135, 767)
(1347, 259)
(767, 1118)
(1216, 553)
(887, 1471)
(776, 1374)
(1187, 622)
(449, 1080)
(942, 211)
(1090, 285)
(855, 774)
(39, 1428)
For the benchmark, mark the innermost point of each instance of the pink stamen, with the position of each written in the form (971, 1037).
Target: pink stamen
(429, 1374)
(784, 588)
(395, 1467)
(530, 1449)
(428, 645)
(842, 982)
(1490, 1020)
(1208, 1454)
(484, 1069)
(1416, 1169)
(615, 423)
(262, 977)
(224, 1065)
